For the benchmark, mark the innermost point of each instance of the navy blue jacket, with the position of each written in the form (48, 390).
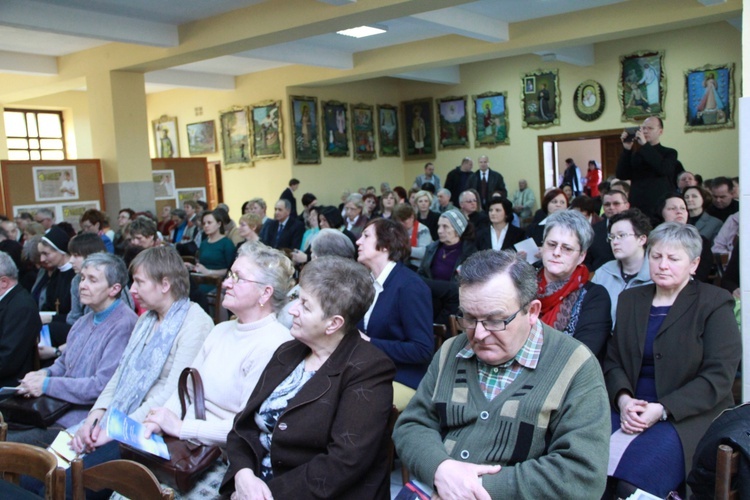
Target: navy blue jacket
(401, 324)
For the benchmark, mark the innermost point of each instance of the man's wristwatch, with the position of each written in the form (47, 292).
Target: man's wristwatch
(58, 353)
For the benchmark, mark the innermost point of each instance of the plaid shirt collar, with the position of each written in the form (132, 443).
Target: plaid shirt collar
(527, 356)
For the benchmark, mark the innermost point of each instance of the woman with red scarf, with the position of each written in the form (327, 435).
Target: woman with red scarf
(570, 302)
(419, 234)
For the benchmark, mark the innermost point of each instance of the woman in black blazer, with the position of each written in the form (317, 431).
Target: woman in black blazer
(423, 200)
(501, 234)
(670, 365)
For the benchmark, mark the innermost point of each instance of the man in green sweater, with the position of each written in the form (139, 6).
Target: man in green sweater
(511, 409)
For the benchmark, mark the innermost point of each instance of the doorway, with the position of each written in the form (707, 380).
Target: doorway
(604, 146)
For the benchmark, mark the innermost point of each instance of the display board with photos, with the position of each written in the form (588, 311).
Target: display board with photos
(179, 179)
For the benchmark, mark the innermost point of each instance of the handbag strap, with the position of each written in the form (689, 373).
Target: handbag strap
(198, 396)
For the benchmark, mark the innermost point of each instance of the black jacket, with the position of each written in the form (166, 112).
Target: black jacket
(19, 327)
(291, 235)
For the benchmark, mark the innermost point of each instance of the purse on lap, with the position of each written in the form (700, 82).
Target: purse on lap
(188, 460)
(26, 413)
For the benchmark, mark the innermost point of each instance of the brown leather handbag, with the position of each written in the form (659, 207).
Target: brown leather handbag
(188, 459)
(27, 413)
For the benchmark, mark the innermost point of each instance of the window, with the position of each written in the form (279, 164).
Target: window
(34, 135)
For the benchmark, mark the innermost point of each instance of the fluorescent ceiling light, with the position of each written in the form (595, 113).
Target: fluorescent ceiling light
(363, 31)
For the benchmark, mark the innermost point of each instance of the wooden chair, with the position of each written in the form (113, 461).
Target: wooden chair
(190, 259)
(727, 463)
(125, 477)
(17, 459)
(453, 327)
(214, 298)
(3, 429)
(439, 331)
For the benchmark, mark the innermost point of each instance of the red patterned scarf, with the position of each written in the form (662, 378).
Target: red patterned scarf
(552, 304)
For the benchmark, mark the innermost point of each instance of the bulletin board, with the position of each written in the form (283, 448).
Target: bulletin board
(179, 179)
(67, 187)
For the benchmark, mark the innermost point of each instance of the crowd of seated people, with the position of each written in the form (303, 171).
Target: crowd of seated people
(119, 318)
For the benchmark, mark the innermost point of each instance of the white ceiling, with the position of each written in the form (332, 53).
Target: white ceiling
(53, 28)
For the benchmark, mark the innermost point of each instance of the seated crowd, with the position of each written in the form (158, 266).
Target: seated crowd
(619, 350)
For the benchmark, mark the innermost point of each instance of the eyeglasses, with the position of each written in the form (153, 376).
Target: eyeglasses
(564, 249)
(235, 278)
(612, 203)
(491, 325)
(618, 236)
(470, 201)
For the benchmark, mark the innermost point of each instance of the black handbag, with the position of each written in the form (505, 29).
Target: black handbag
(188, 460)
(22, 412)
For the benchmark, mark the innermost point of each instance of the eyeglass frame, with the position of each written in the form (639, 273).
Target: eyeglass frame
(505, 322)
(235, 279)
(565, 250)
(619, 236)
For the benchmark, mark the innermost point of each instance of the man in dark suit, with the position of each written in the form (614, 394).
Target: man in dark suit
(486, 181)
(288, 194)
(19, 325)
(457, 180)
(284, 231)
(600, 251)
(722, 203)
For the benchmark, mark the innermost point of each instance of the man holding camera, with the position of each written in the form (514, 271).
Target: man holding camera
(651, 168)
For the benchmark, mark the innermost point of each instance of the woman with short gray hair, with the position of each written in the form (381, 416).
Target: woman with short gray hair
(670, 366)
(570, 302)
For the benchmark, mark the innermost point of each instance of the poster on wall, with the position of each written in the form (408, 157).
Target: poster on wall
(709, 97)
(193, 194)
(642, 86)
(72, 212)
(490, 119)
(33, 209)
(164, 187)
(55, 183)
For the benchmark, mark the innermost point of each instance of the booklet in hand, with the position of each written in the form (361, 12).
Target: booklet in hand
(124, 429)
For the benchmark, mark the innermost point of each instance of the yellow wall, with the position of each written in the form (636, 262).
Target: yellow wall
(710, 153)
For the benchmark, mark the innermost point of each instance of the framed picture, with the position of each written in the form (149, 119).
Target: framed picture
(529, 85)
(33, 209)
(55, 183)
(388, 132)
(164, 187)
(194, 194)
(588, 100)
(709, 97)
(305, 129)
(166, 138)
(335, 127)
(363, 131)
(419, 136)
(540, 108)
(490, 112)
(642, 85)
(235, 137)
(267, 130)
(201, 138)
(72, 212)
(453, 126)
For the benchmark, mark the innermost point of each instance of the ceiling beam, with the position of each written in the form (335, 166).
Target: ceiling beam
(337, 2)
(191, 79)
(583, 55)
(43, 16)
(302, 53)
(27, 64)
(448, 75)
(469, 24)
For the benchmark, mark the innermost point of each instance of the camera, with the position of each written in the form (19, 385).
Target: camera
(631, 133)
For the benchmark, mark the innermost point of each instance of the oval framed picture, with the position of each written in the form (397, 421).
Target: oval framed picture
(588, 101)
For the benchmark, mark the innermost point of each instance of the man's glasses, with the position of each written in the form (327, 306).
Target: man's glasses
(618, 236)
(491, 325)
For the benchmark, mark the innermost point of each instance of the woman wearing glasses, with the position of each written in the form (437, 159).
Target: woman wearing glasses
(570, 302)
(235, 352)
(628, 233)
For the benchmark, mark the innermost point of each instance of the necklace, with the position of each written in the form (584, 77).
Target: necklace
(446, 253)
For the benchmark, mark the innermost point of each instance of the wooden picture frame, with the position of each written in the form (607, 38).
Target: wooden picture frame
(490, 116)
(201, 138)
(541, 108)
(363, 131)
(267, 130)
(235, 137)
(453, 123)
(709, 97)
(642, 86)
(388, 130)
(588, 100)
(305, 136)
(335, 126)
(419, 129)
(166, 137)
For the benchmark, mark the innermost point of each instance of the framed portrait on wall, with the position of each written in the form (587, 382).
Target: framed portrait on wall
(540, 108)
(267, 130)
(490, 113)
(55, 183)
(453, 125)
(164, 186)
(72, 212)
(166, 138)
(419, 129)
(709, 97)
(388, 130)
(642, 86)
(588, 100)
(201, 138)
(306, 140)
(334, 123)
(235, 137)
(363, 131)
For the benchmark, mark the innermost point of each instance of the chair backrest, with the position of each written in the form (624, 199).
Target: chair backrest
(125, 477)
(215, 296)
(3, 429)
(727, 463)
(453, 327)
(18, 459)
(439, 331)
